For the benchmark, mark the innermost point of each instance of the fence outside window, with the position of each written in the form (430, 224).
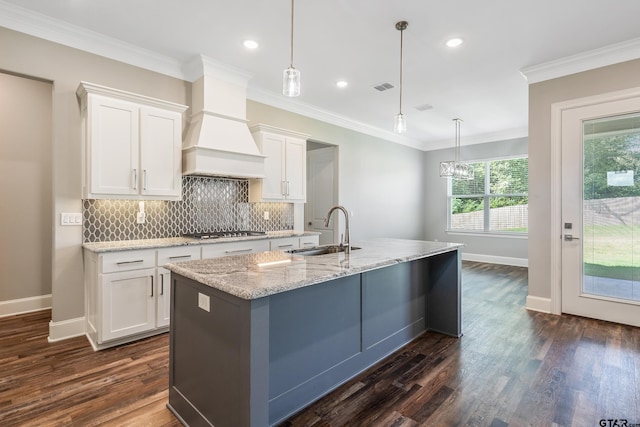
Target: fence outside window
(495, 201)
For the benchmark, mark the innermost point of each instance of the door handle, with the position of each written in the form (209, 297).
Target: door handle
(570, 237)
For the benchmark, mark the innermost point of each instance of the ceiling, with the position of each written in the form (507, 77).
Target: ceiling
(481, 81)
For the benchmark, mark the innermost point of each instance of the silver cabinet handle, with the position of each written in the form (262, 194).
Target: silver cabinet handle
(162, 284)
(129, 262)
(144, 178)
(180, 256)
(570, 237)
(135, 179)
(285, 246)
(308, 244)
(238, 251)
(151, 286)
(283, 188)
(288, 188)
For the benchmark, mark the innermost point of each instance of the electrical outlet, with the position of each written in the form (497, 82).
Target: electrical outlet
(266, 215)
(204, 302)
(141, 217)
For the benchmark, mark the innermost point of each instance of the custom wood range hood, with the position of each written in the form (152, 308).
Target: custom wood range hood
(218, 141)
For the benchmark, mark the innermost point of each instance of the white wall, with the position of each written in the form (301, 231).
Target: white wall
(508, 250)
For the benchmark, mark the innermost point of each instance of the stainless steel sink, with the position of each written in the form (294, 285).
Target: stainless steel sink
(320, 250)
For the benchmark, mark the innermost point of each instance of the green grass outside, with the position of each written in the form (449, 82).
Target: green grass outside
(612, 251)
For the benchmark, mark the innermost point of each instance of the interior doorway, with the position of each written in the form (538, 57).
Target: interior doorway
(322, 190)
(26, 192)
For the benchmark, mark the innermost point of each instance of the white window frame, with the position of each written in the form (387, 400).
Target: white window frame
(487, 204)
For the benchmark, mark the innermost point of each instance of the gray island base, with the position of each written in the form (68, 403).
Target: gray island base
(256, 338)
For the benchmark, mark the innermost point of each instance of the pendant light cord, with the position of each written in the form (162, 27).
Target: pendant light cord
(291, 65)
(401, 49)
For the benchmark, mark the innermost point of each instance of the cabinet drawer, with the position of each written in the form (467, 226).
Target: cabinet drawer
(127, 260)
(234, 248)
(285, 244)
(309, 241)
(178, 254)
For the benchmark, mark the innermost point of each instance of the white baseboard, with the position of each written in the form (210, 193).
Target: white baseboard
(538, 304)
(65, 329)
(492, 259)
(24, 305)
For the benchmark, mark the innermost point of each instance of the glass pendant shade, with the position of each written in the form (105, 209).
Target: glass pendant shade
(291, 82)
(400, 123)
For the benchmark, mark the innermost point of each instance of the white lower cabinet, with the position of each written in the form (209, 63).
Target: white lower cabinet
(128, 303)
(163, 301)
(128, 293)
(163, 287)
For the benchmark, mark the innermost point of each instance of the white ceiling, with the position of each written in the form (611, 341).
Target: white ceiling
(356, 40)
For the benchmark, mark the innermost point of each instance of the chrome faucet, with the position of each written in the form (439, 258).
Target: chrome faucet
(347, 240)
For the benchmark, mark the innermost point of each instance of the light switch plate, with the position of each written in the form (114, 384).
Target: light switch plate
(70, 218)
(204, 302)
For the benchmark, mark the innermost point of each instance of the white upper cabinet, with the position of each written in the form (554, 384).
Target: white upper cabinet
(132, 145)
(285, 166)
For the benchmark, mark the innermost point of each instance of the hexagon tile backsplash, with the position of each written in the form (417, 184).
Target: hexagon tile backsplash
(208, 204)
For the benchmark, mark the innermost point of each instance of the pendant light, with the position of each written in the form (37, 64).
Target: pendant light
(400, 122)
(291, 76)
(454, 168)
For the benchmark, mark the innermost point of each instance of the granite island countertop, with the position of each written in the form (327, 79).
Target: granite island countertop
(127, 245)
(262, 274)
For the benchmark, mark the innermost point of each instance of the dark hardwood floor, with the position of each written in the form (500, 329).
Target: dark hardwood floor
(512, 367)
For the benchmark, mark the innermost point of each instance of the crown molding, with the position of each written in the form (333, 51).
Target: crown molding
(503, 135)
(38, 25)
(608, 55)
(308, 110)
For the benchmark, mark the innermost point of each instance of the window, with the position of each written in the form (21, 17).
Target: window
(495, 201)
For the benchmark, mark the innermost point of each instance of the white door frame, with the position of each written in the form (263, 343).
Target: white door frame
(555, 304)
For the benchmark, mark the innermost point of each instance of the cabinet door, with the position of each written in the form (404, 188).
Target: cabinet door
(163, 301)
(160, 148)
(273, 146)
(128, 303)
(296, 170)
(113, 147)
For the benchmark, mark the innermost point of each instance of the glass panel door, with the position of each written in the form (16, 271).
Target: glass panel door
(600, 200)
(611, 203)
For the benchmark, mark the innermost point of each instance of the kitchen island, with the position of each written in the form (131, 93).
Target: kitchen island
(255, 338)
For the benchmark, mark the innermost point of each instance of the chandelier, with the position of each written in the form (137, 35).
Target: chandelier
(453, 168)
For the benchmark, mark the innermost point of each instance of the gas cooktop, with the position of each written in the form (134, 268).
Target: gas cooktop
(221, 234)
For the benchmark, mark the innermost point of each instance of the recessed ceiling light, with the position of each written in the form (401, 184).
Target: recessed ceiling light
(342, 84)
(250, 44)
(455, 42)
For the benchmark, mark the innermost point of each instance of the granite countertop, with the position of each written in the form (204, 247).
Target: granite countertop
(259, 275)
(127, 245)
